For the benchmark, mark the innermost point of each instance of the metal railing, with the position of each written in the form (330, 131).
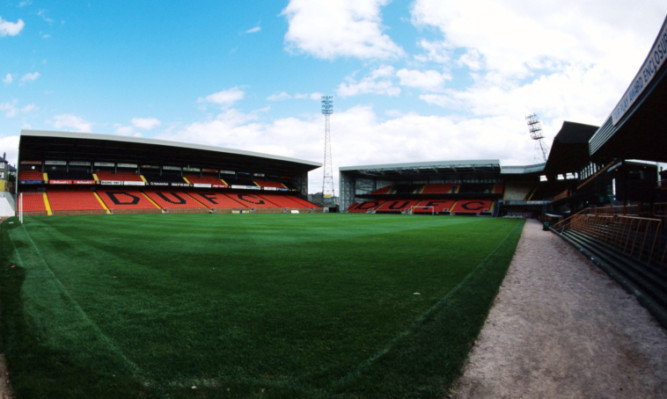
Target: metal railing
(637, 237)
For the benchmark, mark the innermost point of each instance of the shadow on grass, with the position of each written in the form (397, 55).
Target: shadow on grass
(37, 371)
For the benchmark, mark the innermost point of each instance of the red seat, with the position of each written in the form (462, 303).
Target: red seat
(73, 201)
(122, 199)
(168, 199)
(472, 206)
(396, 206)
(33, 202)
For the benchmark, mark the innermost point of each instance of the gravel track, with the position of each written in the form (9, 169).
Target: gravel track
(561, 328)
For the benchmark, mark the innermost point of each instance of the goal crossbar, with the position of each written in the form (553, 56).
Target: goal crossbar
(412, 210)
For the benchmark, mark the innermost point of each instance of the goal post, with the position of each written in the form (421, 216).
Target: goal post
(20, 205)
(431, 207)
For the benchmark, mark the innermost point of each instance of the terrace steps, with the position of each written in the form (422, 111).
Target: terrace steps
(647, 283)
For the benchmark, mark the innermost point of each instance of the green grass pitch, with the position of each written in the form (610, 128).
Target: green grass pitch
(255, 305)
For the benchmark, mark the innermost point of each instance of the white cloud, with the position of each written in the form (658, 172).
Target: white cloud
(145, 123)
(537, 57)
(224, 98)
(279, 96)
(8, 79)
(73, 122)
(254, 29)
(9, 108)
(10, 145)
(42, 14)
(343, 28)
(28, 108)
(29, 77)
(10, 28)
(437, 51)
(515, 39)
(380, 81)
(359, 137)
(429, 80)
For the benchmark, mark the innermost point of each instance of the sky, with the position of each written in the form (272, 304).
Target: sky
(412, 80)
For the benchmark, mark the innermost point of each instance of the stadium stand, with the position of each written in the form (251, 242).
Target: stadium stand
(383, 190)
(396, 206)
(242, 180)
(252, 200)
(204, 181)
(216, 200)
(440, 189)
(364, 207)
(270, 184)
(30, 175)
(286, 201)
(34, 204)
(128, 201)
(132, 175)
(434, 206)
(68, 201)
(175, 201)
(472, 207)
(111, 177)
(300, 202)
(164, 178)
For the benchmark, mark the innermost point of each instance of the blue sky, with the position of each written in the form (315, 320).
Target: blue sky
(418, 80)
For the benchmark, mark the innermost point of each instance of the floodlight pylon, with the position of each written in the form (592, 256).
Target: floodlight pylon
(327, 179)
(535, 130)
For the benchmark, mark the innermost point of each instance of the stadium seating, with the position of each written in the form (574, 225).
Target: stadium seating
(365, 206)
(165, 178)
(434, 206)
(103, 176)
(287, 201)
(472, 206)
(216, 200)
(383, 190)
(31, 175)
(440, 188)
(396, 206)
(270, 184)
(302, 202)
(498, 188)
(205, 181)
(123, 200)
(83, 201)
(173, 200)
(34, 202)
(252, 200)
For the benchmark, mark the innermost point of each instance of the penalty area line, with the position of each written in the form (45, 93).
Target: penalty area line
(96, 329)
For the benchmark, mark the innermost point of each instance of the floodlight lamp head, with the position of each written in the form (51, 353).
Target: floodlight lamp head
(327, 105)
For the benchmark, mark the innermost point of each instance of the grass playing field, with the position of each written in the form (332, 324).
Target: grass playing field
(255, 305)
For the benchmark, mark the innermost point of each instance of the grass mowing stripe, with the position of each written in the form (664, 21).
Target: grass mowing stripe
(424, 316)
(260, 305)
(132, 367)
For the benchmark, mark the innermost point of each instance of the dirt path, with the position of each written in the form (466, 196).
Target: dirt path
(561, 328)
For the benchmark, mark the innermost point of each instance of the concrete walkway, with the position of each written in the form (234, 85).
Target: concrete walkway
(561, 328)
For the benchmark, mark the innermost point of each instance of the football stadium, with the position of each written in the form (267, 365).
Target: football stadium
(136, 267)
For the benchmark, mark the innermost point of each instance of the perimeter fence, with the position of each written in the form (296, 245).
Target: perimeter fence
(621, 228)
